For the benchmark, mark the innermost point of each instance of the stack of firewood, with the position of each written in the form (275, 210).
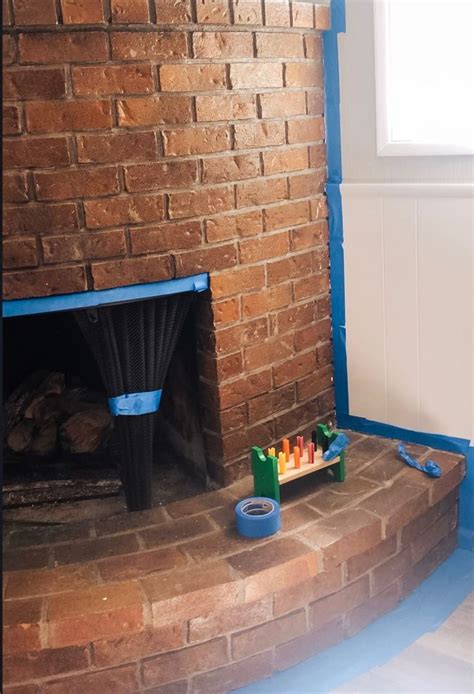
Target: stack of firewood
(43, 418)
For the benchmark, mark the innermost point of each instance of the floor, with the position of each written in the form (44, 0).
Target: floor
(440, 661)
(425, 645)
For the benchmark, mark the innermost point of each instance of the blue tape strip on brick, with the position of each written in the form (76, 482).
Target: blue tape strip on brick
(130, 404)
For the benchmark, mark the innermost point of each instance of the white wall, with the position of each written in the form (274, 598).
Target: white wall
(409, 268)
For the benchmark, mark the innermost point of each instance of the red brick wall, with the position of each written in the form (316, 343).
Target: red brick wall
(146, 140)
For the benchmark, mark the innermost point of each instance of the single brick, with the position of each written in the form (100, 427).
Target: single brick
(112, 79)
(29, 83)
(233, 168)
(288, 159)
(116, 147)
(173, 11)
(260, 303)
(172, 174)
(197, 140)
(304, 74)
(282, 104)
(303, 15)
(214, 259)
(130, 11)
(44, 663)
(285, 215)
(315, 641)
(165, 237)
(155, 46)
(305, 130)
(307, 184)
(20, 285)
(60, 116)
(154, 110)
(129, 209)
(333, 606)
(76, 183)
(228, 227)
(19, 253)
(32, 12)
(82, 11)
(278, 45)
(229, 107)
(277, 13)
(131, 271)
(11, 120)
(258, 356)
(237, 280)
(40, 218)
(21, 625)
(220, 44)
(264, 134)
(201, 202)
(265, 636)
(397, 504)
(121, 680)
(137, 646)
(104, 244)
(313, 46)
(8, 49)
(192, 78)
(261, 192)
(15, 187)
(42, 152)
(212, 12)
(322, 17)
(239, 617)
(170, 666)
(64, 47)
(260, 75)
(247, 11)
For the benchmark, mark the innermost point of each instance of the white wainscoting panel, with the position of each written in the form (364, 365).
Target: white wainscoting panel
(408, 254)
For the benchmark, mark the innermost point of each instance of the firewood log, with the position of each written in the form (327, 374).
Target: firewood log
(87, 431)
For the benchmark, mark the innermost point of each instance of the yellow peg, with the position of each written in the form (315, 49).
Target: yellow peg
(281, 463)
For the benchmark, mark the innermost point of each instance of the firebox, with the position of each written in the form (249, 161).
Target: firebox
(132, 333)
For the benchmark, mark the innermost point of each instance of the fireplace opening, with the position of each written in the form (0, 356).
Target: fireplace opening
(62, 445)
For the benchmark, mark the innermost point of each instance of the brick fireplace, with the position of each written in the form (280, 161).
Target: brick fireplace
(147, 141)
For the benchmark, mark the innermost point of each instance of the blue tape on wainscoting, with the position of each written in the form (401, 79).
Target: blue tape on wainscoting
(423, 611)
(118, 295)
(336, 239)
(131, 404)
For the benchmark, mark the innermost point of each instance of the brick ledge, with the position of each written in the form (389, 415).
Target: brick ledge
(174, 598)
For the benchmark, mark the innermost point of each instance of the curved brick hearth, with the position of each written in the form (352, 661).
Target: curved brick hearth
(172, 600)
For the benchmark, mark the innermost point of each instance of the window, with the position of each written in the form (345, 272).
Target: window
(424, 65)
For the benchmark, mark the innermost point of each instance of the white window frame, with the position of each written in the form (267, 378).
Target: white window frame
(386, 147)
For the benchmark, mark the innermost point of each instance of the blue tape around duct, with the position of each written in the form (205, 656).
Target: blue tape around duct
(118, 295)
(131, 404)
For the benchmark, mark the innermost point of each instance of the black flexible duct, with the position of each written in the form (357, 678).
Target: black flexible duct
(133, 344)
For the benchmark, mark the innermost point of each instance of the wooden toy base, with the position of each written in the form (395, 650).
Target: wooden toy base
(306, 468)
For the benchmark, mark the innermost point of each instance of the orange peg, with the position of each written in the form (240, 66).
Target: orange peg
(286, 449)
(296, 454)
(281, 463)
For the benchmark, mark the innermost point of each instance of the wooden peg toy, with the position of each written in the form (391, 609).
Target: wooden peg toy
(286, 449)
(296, 456)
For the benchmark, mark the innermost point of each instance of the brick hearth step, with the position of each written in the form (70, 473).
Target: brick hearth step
(171, 597)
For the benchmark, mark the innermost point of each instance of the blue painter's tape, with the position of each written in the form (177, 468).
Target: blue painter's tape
(102, 297)
(257, 516)
(368, 426)
(336, 237)
(131, 404)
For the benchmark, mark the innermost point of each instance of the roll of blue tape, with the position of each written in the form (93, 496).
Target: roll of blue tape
(257, 516)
